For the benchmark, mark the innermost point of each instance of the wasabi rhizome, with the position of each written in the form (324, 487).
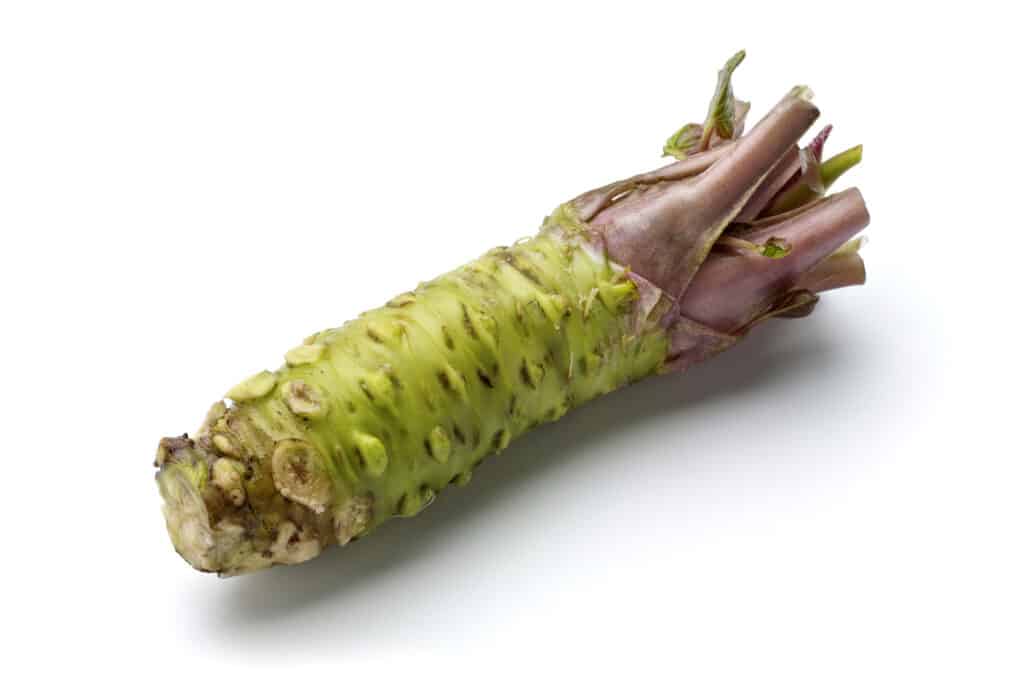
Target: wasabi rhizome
(651, 274)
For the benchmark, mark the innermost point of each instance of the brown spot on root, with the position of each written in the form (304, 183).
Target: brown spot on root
(527, 272)
(462, 478)
(392, 376)
(459, 435)
(467, 323)
(294, 544)
(500, 440)
(299, 474)
(524, 374)
(300, 471)
(452, 381)
(448, 341)
(531, 373)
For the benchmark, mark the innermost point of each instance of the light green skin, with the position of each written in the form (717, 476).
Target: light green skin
(410, 397)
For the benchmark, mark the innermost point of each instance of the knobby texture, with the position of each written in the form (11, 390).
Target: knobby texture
(371, 420)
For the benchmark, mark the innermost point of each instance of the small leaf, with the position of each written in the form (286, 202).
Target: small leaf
(684, 141)
(724, 120)
(722, 110)
(775, 247)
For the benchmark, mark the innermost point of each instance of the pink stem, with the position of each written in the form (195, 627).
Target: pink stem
(731, 289)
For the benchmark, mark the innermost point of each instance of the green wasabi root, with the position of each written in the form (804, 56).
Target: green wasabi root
(373, 420)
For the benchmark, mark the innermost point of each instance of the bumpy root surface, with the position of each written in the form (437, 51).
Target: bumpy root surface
(372, 420)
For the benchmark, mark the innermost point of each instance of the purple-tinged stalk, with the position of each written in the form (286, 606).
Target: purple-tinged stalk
(785, 174)
(733, 289)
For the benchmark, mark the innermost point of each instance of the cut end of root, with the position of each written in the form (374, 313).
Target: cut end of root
(213, 526)
(187, 520)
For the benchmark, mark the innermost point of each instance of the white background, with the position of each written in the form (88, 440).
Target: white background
(188, 188)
